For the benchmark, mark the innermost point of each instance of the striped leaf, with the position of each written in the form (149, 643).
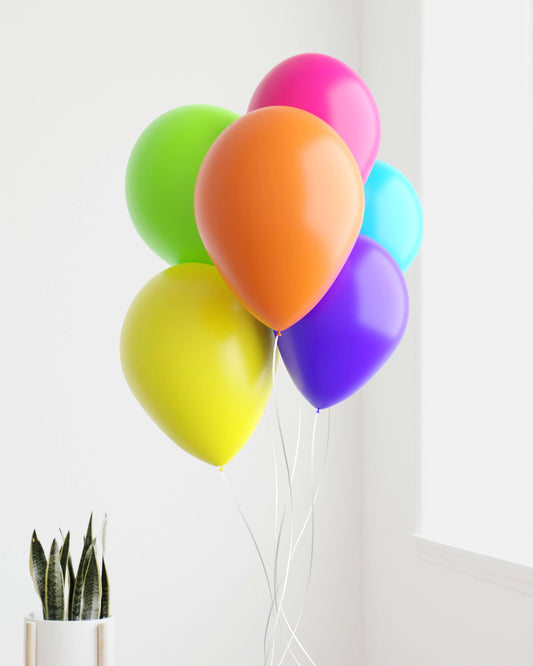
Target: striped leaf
(71, 583)
(38, 569)
(104, 608)
(75, 611)
(88, 591)
(89, 535)
(74, 606)
(64, 555)
(54, 586)
(92, 589)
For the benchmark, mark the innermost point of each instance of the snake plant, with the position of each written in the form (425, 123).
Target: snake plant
(64, 593)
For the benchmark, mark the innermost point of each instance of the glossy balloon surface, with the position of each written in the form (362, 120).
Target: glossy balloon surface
(348, 336)
(332, 91)
(197, 361)
(161, 176)
(279, 203)
(393, 214)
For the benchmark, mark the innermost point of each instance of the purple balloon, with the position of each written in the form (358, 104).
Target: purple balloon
(348, 336)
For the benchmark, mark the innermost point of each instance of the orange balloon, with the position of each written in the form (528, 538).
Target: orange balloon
(279, 203)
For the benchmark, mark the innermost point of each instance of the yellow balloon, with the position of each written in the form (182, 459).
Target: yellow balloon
(197, 361)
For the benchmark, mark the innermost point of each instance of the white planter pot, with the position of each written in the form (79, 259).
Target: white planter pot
(81, 643)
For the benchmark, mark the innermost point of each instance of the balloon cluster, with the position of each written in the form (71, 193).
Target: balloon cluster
(263, 219)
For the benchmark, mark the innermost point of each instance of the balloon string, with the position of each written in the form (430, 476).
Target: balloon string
(312, 547)
(250, 531)
(317, 491)
(279, 603)
(274, 352)
(297, 441)
(273, 592)
(258, 550)
(277, 545)
(274, 601)
(254, 540)
(276, 504)
(274, 597)
(314, 496)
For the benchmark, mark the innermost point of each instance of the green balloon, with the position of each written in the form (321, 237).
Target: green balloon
(161, 176)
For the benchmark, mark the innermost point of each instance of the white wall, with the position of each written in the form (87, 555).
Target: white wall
(416, 613)
(79, 83)
(477, 287)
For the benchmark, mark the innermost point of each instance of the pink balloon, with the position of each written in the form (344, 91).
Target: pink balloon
(329, 89)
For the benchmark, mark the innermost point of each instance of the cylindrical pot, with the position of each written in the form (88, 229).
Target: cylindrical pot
(68, 643)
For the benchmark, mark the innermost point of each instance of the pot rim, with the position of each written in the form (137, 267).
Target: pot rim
(38, 619)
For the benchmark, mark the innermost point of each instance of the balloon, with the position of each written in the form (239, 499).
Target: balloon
(198, 363)
(393, 214)
(279, 203)
(354, 329)
(161, 175)
(332, 91)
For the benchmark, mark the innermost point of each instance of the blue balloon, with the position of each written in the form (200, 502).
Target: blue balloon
(393, 214)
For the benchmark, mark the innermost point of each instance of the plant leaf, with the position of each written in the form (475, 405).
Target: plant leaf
(54, 586)
(92, 547)
(77, 589)
(64, 555)
(89, 535)
(71, 583)
(104, 607)
(78, 585)
(38, 569)
(92, 589)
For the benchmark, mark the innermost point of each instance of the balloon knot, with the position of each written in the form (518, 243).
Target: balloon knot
(221, 468)
(278, 334)
(318, 410)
